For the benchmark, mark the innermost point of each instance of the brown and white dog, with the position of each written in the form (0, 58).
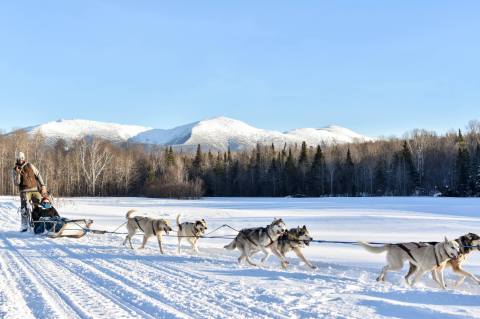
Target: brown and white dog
(191, 232)
(149, 226)
(468, 243)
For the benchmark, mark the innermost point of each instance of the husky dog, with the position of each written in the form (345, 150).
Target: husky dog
(293, 240)
(191, 231)
(468, 243)
(424, 257)
(252, 240)
(149, 227)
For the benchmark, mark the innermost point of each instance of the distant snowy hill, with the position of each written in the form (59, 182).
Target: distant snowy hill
(329, 134)
(75, 129)
(218, 133)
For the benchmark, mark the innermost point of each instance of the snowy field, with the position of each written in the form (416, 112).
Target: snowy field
(96, 277)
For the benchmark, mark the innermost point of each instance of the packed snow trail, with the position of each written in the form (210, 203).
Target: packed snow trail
(96, 277)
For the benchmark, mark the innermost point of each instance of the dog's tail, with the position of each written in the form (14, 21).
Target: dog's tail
(129, 213)
(232, 245)
(373, 249)
(178, 220)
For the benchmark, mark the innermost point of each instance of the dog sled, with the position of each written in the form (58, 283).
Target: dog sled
(43, 219)
(55, 227)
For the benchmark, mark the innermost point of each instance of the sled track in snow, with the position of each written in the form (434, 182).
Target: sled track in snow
(176, 291)
(83, 299)
(120, 290)
(96, 277)
(73, 285)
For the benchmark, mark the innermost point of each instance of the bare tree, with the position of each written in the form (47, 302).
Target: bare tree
(94, 156)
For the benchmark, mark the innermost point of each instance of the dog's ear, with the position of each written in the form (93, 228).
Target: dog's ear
(304, 227)
(472, 236)
(446, 239)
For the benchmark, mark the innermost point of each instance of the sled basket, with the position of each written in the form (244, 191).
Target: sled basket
(55, 227)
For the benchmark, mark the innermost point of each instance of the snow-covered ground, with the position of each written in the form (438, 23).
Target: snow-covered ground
(96, 277)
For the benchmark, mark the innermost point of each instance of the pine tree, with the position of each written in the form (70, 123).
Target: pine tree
(303, 158)
(303, 166)
(318, 174)
(197, 164)
(257, 176)
(273, 176)
(477, 181)
(475, 174)
(290, 174)
(219, 176)
(380, 177)
(405, 173)
(462, 167)
(169, 157)
(348, 176)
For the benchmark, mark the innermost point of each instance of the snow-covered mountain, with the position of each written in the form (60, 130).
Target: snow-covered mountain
(75, 129)
(219, 133)
(329, 134)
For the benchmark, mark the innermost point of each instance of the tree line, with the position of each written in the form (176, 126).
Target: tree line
(420, 163)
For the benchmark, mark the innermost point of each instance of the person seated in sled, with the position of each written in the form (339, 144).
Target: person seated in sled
(45, 209)
(46, 220)
(28, 179)
(40, 213)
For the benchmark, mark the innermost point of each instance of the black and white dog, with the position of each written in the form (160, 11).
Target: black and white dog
(191, 232)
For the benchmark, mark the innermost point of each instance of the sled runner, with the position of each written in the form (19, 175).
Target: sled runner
(55, 227)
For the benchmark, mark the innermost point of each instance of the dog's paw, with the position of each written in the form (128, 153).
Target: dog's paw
(313, 267)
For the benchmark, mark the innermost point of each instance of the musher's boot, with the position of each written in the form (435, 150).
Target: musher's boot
(24, 226)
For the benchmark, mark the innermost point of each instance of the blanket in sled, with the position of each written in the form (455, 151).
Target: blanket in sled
(62, 227)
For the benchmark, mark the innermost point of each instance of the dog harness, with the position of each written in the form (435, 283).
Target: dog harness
(196, 232)
(138, 224)
(153, 229)
(463, 246)
(256, 244)
(404, 248)
(436, 257)
(271, 240)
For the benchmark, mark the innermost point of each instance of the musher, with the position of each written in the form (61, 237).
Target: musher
(28, 179)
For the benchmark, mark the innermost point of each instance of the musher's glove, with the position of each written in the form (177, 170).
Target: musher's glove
(43, 191)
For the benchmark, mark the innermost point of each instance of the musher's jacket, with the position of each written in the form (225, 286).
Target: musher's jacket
(28, 178)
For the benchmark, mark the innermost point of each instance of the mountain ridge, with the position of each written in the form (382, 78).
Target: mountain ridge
(217, 133)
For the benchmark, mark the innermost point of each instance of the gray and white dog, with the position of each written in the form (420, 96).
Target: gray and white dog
(191, 232)
(468, 243)
(293, 240)
(252, 240)
(149, 226)
(425, 257)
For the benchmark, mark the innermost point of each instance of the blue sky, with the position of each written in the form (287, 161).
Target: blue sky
(378, 67)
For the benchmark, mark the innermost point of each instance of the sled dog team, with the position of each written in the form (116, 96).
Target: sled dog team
(276, 239)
